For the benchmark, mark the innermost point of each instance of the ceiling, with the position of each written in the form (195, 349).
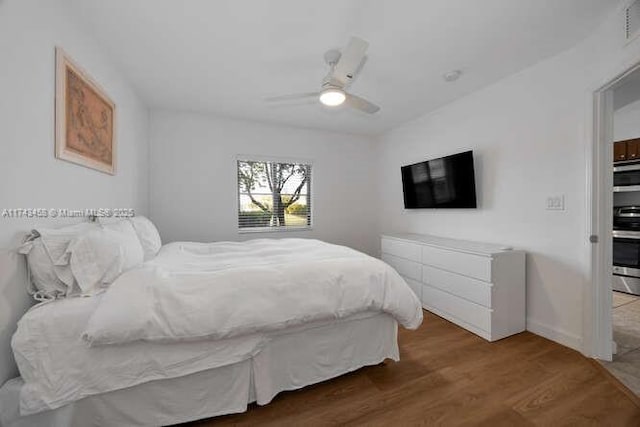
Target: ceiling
(226, 56)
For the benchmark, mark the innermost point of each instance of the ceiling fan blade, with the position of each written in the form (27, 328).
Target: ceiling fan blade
(350, 60)
(361, 104)
(292, 97)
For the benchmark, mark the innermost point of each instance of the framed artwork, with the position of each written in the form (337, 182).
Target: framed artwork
(85, 118)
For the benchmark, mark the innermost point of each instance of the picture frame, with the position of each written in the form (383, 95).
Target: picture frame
(85, 118)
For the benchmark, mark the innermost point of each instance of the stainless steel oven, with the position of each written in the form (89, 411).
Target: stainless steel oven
(626, 249)
(626, 177)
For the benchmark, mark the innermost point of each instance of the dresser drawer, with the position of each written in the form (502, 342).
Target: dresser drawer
(415, 286)
(406, 268)
(406, 250)
(478, 267)
(471, 313)
(471, 289)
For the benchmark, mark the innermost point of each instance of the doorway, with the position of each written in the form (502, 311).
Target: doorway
(615, 294)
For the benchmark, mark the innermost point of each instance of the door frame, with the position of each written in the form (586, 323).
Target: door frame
(598, 312)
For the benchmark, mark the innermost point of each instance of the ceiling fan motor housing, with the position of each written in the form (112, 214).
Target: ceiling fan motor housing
(331, 57)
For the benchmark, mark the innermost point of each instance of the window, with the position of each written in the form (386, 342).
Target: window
(273, 195)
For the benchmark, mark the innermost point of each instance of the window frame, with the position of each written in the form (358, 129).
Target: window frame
(279, 229)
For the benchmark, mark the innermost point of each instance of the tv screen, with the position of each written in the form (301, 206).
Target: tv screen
(447, 182)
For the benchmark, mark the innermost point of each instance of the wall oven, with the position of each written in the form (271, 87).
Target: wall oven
(626, 177)
(626, 249)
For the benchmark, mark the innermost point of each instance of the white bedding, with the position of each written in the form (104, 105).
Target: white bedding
(58, 367)
(290, 360)
(195, 291)
(237, 295)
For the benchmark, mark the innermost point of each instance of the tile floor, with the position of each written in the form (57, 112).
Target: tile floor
(626, 333)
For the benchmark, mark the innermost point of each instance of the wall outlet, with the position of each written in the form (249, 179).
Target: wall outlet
(555, 203)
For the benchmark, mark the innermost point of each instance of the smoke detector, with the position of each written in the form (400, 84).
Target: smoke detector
(454, 75)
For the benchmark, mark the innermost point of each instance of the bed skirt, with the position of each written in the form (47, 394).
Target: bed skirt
(288, 362)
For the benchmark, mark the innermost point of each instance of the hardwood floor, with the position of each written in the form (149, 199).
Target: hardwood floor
(448, 376)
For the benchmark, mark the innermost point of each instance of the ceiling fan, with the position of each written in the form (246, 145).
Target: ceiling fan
(344, 66)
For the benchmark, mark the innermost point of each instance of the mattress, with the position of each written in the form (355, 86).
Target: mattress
(288, 361)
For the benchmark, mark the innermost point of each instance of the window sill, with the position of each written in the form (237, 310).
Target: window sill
(272, 229)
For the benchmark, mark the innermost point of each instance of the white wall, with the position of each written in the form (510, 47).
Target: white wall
(31, 176)
(530, 134)
(626, 122)
(193, 175)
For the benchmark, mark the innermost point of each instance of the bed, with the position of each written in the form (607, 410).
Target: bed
(202, 330)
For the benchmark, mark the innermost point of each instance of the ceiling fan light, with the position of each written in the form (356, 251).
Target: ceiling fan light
(332, 97)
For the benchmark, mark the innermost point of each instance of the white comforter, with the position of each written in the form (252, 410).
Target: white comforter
(59, 368)
(195, 291)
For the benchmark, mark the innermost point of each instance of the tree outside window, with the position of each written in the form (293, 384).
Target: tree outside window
(273, 195)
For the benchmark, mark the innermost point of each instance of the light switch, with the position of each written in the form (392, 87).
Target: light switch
(555, 203)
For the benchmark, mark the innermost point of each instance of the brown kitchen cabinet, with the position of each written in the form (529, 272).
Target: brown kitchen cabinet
(633, 149)
(628, 149)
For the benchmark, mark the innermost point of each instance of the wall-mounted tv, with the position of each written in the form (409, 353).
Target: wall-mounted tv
(448, 182)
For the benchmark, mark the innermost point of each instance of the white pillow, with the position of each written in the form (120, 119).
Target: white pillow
(148, 235)
(44, 279)
(48, 262)
(100, 256)
(133, 252)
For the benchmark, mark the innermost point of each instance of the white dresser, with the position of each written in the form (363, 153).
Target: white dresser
(478, 286)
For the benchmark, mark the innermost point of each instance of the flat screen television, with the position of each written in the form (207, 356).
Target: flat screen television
(448, 182)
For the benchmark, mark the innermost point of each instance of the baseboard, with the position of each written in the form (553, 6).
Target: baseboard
(558, 335)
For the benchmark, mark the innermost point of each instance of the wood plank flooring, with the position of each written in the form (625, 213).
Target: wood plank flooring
(448, 376)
